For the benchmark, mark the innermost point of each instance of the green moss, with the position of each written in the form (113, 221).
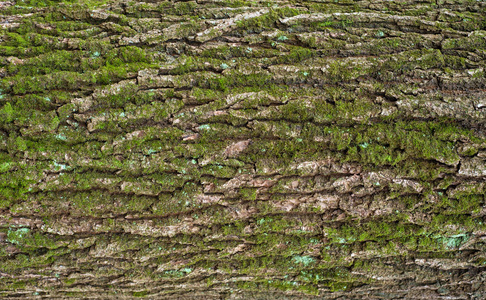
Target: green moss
(65, 111)
(248, 193)
(141, 294)
(463, 204)
(296, 55)
(267, 20)
(340, 286)
(6, 163)
(27, 239)
(454, 62)
(70, 281)
(185, 8)
(218, 171)
(43, 3)
(7, 113)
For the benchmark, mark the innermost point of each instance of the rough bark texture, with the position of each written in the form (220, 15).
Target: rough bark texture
(243, 150)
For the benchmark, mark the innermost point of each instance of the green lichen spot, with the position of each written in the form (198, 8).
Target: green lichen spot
(305, 260)
(455, 241)
(16, 236)
(205, 126)
(61, 137)
(59, 167)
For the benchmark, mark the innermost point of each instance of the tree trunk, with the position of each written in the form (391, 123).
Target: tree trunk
(243, 150)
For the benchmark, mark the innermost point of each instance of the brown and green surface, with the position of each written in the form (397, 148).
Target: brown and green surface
(243, 149)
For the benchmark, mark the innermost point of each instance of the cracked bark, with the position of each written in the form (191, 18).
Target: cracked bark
(234, 150)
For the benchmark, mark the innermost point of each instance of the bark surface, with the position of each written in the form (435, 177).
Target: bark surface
(243, 150)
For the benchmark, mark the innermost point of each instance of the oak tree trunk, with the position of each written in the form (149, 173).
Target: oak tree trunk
(243, 149)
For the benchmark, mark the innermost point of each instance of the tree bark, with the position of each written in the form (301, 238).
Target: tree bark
(242, 150)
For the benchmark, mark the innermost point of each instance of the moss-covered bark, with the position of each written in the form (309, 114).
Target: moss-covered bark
(240, 150)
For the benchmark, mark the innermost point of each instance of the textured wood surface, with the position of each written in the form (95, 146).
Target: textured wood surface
(242, 149)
